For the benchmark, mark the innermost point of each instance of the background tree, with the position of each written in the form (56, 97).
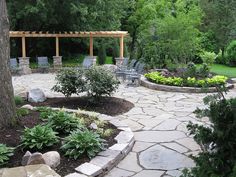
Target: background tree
(7, 105)
(58, 15)
(219, 22)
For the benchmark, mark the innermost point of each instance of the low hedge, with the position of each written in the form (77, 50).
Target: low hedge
(156, 77)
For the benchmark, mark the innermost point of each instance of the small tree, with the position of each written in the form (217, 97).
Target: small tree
(7, 105)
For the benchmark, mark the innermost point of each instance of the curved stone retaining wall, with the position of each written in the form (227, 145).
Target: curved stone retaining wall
(154, 86)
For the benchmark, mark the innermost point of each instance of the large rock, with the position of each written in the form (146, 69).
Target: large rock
(52, 159)
(26, 158)
(36, 158)
(36, 95)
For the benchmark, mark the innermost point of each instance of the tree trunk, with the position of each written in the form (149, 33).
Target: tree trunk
(7, 105)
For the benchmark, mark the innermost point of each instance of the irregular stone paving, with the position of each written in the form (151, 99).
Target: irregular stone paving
(158, 120)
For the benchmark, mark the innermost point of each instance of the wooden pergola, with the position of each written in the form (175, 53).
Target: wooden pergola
(75, 34)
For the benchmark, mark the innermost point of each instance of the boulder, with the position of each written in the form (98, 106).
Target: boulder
(36, 158)
(28, 106)
(25, 158)
(36, 95)
(52, 159)
(93, 126)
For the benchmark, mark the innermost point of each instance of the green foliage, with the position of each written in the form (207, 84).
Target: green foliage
(166, 31)
(79, 143)
(219, 20)
(63, 122)
(202, 71)
(44, 15)
(231, 53)
(20, 112)
(102, 54)
(156, 77)
(217, 158)
(104, 133)
(38, 137)
(18, 100)
(100, 82)
(5, 153)
(96, 81)
(208, 57)
(220, 59)
(69, 81)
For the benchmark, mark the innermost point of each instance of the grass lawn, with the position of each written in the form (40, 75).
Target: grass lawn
(69, 62)
(224, 70)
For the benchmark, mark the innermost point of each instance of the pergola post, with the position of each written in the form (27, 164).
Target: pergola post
(57, 47)
(23, 47)
(90, 45)
(122, 46)
(24, 61)
(57, 60)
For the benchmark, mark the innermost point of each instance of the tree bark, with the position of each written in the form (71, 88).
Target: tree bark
(7, 104)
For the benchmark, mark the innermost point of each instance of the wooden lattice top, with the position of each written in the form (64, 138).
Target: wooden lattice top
(69, 34)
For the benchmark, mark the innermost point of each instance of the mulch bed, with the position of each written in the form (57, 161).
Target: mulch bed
(108, 105)
(11, 137)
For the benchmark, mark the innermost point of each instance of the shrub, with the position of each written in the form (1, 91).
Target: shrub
(231, 53)
(100, 82)
(218, 156)
(96, 81)
(18, 100)
(102, 54)
(156, 77)
(64, 122)
(208, 57)
(69, 81)
(105, 132)
(38, 137)
(22, 112)
(79, 143)
(5, 153)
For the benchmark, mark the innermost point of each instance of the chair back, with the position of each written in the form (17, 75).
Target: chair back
(132, 63)
(43, 61)
(87, 63)
(140, 68)
(13, 63)
(125, 62)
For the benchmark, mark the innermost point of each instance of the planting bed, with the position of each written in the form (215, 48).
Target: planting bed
(11, 137)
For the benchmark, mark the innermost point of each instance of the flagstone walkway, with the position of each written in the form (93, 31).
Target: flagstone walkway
(158, 120)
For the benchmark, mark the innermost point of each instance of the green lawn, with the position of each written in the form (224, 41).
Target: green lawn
(68, 62)
(224, 70)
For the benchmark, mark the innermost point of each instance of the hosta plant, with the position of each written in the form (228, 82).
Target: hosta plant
(5, 153)
(83, 142)
(38, 137)
(64, 122)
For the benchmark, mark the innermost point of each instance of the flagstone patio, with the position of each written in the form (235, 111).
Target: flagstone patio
(158, 120)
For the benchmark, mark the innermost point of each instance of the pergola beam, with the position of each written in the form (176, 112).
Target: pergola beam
(115, 34)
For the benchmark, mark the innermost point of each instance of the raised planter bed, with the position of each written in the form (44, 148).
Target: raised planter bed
(154, 86)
